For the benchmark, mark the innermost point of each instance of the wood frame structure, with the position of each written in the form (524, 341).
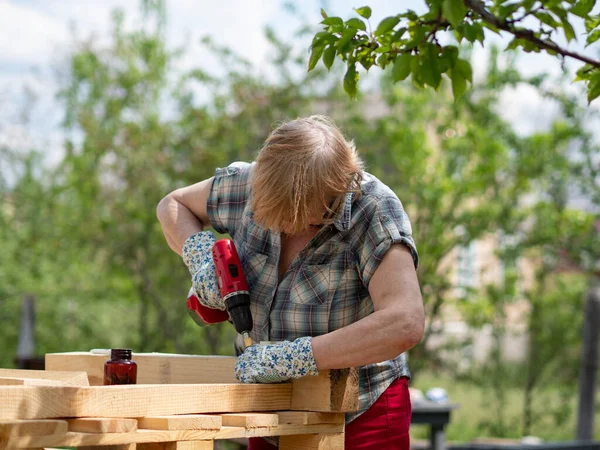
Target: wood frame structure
(177, 405)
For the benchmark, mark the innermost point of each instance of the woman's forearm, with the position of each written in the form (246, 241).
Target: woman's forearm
(178, 222)
(378, 337)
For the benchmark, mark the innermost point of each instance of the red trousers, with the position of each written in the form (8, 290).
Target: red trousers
(383, 426)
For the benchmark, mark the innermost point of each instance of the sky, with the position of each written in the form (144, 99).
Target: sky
(37, 35)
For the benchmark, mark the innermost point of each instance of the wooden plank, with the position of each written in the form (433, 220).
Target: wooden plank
(335, 390)
(102, 425)
(9, 381)
(37, 402)
(309, 418)
(71, 439)
(250, 420)
(181, 445)
(108, 447)
(65, 378)
(312, 442)
(32, 428)
(329, 391)
(153, 368)
(181, 422)
(13, 381)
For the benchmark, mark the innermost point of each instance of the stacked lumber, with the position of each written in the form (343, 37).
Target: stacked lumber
(64, 411)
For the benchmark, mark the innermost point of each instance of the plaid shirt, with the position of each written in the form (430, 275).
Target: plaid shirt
(326, 286)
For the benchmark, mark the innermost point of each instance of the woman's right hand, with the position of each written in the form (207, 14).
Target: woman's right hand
(197, 256)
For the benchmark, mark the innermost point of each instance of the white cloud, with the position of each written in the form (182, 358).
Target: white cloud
(26, 35)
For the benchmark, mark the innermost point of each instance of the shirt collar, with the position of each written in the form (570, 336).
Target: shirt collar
(342, 222)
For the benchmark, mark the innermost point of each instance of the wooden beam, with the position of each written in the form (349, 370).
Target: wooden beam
(10, 381)
(312, 442)
(41, 402)
(108, 447)
(102, 425)
(32, 428)
(153, 368)
(65, 378)
(335, 390)
(309, 418)
(250, 420)
(181, 422)
(13, 381)
(141, 436)
(181, 445)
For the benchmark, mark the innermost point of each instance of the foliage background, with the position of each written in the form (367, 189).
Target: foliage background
(82, 239)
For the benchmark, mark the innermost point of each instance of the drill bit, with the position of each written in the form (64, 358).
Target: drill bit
(247, 340)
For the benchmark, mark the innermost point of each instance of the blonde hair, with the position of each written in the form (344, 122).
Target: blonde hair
(305, 166)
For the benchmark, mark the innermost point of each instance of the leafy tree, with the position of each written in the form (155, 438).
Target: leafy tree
(409, 44)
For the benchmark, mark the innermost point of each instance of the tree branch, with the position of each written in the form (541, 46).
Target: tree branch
(479, 7)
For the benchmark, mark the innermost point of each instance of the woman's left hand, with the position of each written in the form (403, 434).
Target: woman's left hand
(274, 363)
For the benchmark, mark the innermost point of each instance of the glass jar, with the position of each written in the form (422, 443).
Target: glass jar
(120, 369)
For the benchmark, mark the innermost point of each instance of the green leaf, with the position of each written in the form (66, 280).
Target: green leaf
(430, 68)
(568, 29)
(323, 13)
(329, 56)
(459, 83)
(333, 21)
(464, 67)
(455, 11)
(365, 12)
(386, 25)
(315, 55)
(351, 81)
(356, 23)
(367, 61)
(583, 8)
(594, 87)
(346, 37)
(592, 37)
(320, 37)
(383, 49)
(584, 73)
(410, 15)
(401, 69)
(473, 32)
(383, 60)
(547, 19)
(448, 58)
(591, 22)
(417, 75)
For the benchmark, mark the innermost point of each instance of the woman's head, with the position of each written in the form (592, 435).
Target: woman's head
(302, 173)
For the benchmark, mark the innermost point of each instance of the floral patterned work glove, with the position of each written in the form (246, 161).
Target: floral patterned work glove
(197, 256)
(273, 363)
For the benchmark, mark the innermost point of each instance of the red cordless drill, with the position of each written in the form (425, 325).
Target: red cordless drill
(234, 291)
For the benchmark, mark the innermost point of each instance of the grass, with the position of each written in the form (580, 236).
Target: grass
(477, 414)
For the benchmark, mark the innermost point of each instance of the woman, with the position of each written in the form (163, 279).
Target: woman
(329, 257)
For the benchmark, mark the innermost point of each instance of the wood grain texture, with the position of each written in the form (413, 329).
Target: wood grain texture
(109, 447)
(250, 420)
(32, 428)
(181, 445)
(309, 418)
(71, 439)
(37, 402)
(13, 381)
(334, 390)
(102, 425)
(65, 378)
(153, 368)
(312, 442)
(181, 422)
